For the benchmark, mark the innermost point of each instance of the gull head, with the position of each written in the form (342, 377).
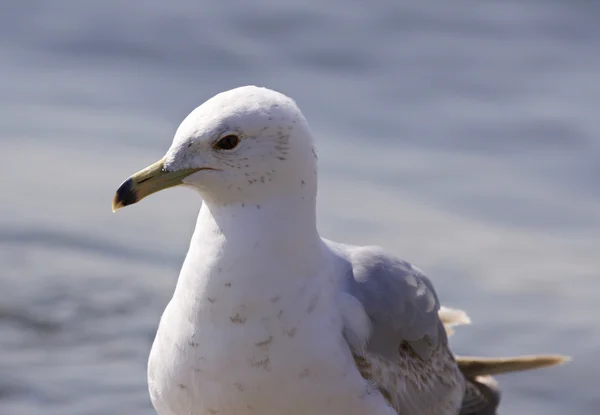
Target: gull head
(242, 145)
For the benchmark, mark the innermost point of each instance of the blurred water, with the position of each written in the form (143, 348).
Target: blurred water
(471, 126)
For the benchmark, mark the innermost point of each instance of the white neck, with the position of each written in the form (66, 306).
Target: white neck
(229, 246)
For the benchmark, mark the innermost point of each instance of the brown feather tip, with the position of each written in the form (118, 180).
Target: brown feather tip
(481, 366)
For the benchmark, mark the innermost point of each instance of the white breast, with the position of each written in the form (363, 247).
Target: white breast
(281, 353)
(253, 326)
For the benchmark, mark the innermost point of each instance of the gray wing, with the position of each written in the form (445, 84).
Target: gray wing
(398, 298)
(406, 353)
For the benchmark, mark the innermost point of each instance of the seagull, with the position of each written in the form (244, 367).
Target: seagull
(268, 317)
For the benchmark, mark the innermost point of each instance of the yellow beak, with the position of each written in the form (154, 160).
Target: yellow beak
(152, 179)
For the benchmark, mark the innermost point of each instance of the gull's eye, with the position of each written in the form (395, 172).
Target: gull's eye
(229, 142)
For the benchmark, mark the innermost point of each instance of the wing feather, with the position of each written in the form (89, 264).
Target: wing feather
(398, 334)
(406, 354)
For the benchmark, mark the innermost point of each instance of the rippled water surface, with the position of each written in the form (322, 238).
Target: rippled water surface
(463, 136)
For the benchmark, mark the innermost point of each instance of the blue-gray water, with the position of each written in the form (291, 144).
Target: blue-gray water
(464, 136)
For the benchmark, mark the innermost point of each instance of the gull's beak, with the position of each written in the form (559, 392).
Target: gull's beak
(150, 180)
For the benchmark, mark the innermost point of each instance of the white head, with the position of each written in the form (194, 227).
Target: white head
(244, 145)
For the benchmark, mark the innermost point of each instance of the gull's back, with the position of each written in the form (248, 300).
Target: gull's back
(392, 326)
(398, 334)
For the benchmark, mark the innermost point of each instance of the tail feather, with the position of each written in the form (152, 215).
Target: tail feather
(482, 394)
(451, 317)
(482, 366)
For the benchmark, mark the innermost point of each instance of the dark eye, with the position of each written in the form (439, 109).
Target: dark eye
(229, 142)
